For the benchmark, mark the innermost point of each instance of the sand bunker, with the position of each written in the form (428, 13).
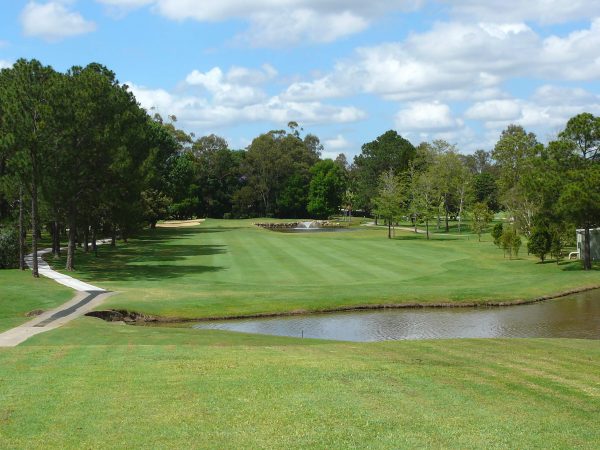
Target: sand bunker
(179, 223)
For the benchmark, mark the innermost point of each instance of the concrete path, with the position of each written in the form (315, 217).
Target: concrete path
(86, 298)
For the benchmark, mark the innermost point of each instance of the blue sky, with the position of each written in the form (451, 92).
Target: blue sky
(346, 70)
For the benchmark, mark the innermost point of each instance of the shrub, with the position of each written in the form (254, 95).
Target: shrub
(510, 241)
(540, 243)
(497, 233)
(9, 249)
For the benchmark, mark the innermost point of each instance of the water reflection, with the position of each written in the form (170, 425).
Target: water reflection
(576, 316)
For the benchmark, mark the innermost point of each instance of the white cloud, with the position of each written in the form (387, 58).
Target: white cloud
(336, 144)
(456, 61)
(223, 92)
(424, 116)
(545, 113)
(279, 22)
(53, 21)
(289, 28)
(4, 64)
(492, 110)
(542, 11)
(213, 99)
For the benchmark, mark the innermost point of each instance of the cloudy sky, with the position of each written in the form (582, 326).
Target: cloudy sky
(346, 70)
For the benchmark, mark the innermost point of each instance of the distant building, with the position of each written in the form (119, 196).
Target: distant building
(594, 243)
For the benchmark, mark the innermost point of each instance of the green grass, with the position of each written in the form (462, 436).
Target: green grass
(227, 268)
(96, 385)
(92, 384)
(21, 293)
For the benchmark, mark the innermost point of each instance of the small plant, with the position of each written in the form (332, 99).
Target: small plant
(511, 242)
(540, 243)
(497, 233)
(482, 216)
(9, 249)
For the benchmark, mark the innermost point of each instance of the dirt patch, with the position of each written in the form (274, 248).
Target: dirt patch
(35, 313)
(179, 223)
(121, 315)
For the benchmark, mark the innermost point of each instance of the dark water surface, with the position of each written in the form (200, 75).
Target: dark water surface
(575, 316)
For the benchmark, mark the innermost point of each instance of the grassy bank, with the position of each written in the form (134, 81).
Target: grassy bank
(92, 384)
(21, 293)
(227, 268)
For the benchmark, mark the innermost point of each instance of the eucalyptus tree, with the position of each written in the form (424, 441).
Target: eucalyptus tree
(390, 198)
(219, 174)
(481, 217)
(273, 161)
(583, 130)
(388, 151)
(327, 189)
(579, 201)
(513, 153)
(427, 198)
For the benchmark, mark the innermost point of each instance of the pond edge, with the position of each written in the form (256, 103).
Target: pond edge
(123, 315)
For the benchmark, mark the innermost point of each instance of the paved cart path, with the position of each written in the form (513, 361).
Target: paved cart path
(86, 298)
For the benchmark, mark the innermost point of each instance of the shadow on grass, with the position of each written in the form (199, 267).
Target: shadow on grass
(423, 237)
(571, 266)
(146, 258)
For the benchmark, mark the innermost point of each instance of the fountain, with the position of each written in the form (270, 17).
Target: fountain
(312, 225)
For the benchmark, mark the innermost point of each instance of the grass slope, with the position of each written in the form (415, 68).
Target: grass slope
(92, 384)
(21, 293)
(225, 268)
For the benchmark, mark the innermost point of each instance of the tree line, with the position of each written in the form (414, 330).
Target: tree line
(81, 159)
(546, 190)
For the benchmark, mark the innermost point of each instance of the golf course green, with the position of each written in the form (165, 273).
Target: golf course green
(95, 384)
(232, 268)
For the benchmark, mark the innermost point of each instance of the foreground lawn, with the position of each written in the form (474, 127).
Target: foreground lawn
(21, 293)
(91, 384)
(226, 268)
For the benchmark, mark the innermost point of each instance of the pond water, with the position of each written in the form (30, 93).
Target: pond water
(575, 316)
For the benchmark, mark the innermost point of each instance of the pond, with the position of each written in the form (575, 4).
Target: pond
(574, 316)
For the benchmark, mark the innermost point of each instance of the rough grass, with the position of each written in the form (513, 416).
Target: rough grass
(21, 293)
(96, 385)
(227, 268)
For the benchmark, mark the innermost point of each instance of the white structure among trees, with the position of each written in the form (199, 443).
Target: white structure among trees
(594, 243)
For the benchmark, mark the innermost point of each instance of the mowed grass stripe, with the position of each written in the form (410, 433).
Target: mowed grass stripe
(208, 389)
(303, 268)
(316, 263)
(383, 263)
(357, 269)
(270, 265)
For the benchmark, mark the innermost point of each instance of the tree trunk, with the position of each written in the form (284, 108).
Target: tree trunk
(34, 227)
(21, 232)
(71, 248)
(389, 228)
(94, 243)
(56, 239)
(427, 227)
(86, 239)
(587, 255)
(113, 237)
(460, 208)
(447, 227)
